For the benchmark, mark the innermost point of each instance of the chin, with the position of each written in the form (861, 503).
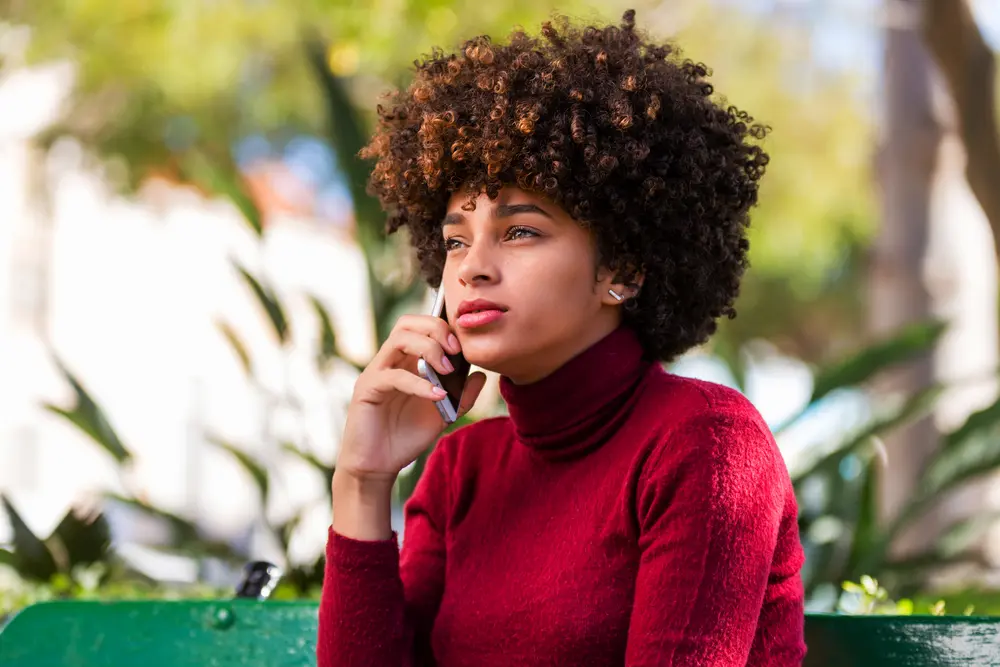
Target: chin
(490, 355)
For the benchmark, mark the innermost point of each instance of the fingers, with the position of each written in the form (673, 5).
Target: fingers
(384, 383)
(431, 326)
(403, 344)
(428, 338)
(473, 386)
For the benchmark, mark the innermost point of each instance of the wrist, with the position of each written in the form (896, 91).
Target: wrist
(363, 484)
(362, 506)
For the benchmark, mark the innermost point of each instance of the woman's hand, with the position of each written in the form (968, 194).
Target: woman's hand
(392, 417)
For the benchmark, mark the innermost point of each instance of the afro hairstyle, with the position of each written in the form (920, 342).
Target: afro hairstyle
(617, 129)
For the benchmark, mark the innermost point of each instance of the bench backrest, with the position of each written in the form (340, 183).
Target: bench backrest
(283, 634)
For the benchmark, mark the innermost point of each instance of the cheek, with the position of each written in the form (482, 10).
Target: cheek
(556, 284)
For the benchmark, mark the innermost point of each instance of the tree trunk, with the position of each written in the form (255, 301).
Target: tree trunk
(934, 256)
(968, 66)
(899, 296)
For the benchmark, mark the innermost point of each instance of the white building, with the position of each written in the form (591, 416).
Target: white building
(129, 293)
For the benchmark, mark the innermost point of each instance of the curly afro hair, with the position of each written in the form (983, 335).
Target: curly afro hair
(613, 127)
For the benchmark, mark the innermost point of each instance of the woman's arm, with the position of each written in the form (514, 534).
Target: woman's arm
(715, 507)
(378, 606)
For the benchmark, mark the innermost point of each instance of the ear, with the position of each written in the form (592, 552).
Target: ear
(616, 288)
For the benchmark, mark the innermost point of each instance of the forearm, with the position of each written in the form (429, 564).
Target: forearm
(361, 616)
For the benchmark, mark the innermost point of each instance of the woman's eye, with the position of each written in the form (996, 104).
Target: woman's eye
(515, 233)
(452, 244)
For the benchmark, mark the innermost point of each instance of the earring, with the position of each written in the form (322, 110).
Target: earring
(615, 294)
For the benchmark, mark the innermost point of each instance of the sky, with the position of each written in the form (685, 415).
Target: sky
(846, 32)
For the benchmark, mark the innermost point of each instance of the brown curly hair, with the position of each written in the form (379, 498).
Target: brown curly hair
(611, 126)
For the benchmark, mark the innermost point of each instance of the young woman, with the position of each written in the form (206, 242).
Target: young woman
(583, 203)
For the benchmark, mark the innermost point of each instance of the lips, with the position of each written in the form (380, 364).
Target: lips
(478, 305)
(479, 313)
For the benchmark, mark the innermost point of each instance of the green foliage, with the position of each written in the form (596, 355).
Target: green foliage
(31, 558)
(913, 340)
(322, 468)
(208, 174)
(267, 299)
(836, 489)
(868, 597)
(237, 345)
(94, 582)
(77, 541)
(327, 338)
(87, 416)
(254, 468)
(158, 78)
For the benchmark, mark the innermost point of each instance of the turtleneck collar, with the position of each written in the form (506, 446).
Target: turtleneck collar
(581, 404)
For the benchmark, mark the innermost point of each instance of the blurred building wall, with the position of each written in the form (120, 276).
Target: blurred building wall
(128, 293)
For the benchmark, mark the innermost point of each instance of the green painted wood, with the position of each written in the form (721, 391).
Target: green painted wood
(161, 634)
(906, 641)
(283, 634)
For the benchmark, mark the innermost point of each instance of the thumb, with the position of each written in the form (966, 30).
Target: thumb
(473, 386)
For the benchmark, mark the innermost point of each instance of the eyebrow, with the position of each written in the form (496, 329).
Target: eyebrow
(501, 211)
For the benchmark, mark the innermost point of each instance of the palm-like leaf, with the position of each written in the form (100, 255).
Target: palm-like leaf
(909, 342)
(212, 176)
(323, 468)
(915, 407)
(236, 344)
(268, 301)
(84, 540)
(979, 421)
(327, 337)
(184, 534)
(90, 418)
(252, 466)
(31, 557)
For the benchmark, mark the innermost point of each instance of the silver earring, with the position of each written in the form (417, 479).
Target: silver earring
(615, 294)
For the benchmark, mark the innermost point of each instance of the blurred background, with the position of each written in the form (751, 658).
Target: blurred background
(191, 277)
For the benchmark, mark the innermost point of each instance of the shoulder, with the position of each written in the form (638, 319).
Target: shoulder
(715, 434)
(690, 399)
(685, 408)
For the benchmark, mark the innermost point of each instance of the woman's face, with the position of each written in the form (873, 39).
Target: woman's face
(520, 286)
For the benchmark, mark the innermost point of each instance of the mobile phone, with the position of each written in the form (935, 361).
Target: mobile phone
(453, 383)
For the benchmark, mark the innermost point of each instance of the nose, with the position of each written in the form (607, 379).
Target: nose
(478, 265)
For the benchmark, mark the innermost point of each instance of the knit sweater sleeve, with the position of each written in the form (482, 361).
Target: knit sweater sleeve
(379, 602)
(711, 502)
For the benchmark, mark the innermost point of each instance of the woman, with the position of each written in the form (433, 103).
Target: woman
(583, 204)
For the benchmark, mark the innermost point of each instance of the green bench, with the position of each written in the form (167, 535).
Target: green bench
(283, 634)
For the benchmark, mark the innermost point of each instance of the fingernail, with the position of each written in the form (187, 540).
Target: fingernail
(439, 392)
(446, 362)
(453, 342)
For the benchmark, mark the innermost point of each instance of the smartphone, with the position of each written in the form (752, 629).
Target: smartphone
(453, 383)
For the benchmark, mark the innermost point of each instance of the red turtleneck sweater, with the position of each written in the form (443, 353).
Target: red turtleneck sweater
(620, 516)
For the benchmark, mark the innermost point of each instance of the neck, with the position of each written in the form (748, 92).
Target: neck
(579, 405)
